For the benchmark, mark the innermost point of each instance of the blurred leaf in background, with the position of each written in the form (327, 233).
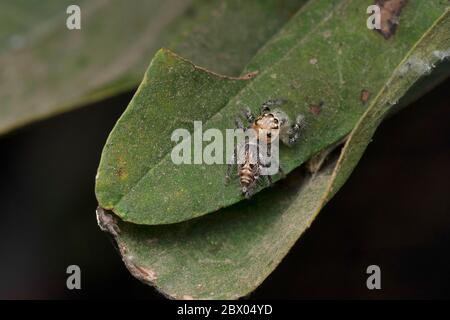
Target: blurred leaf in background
(46, 69)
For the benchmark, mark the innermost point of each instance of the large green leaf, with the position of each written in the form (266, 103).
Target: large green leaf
(325, 57)
(46, 69)
(229, 253)
(431, 50)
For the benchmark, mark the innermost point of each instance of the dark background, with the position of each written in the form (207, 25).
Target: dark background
(393, 212)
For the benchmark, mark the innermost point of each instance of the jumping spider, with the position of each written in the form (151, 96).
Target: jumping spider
(270, 125)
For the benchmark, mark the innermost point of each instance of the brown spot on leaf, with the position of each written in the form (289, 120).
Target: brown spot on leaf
(316, 108)
(120, 170)
(390, 12)
(364, 97)
(121, 173)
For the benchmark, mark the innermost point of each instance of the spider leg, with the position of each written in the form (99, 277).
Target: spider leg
(268, 164)
(296, 128)
(265, 181)
(250, 190)
(230, 166)
(267, 177)
(239, 124)
(228, 174)
(265, 107)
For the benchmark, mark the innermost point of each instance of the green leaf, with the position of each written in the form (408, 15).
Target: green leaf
(226, 255)
(325, 56)
(431, 50)
(47, 69)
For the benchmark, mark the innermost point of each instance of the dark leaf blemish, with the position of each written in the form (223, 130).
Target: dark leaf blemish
(364, 97)
(390, 12)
